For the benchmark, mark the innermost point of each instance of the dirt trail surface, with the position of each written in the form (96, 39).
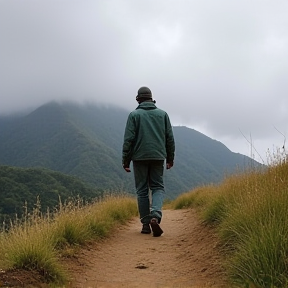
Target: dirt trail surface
(186, 255)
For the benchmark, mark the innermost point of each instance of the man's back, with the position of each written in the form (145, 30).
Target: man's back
(149, 129)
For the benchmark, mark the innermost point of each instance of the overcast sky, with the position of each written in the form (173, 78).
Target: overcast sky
(218, 66)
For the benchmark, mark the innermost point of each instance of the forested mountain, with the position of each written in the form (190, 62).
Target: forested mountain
(86, 141)
(22, 188)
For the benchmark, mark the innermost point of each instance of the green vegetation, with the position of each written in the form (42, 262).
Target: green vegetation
(21, 187)
(86, 142)
(39, 243)
(250, 211)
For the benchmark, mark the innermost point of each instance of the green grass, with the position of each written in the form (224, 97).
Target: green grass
(250, 211)
(39, 242)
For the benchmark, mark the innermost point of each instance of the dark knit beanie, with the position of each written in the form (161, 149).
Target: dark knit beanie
(144, 92)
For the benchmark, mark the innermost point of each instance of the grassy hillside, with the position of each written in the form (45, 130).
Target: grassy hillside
(86, 141)
(22, 188)
(41, 242)
(250, 211)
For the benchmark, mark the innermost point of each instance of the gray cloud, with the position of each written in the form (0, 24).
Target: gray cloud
(220, 67)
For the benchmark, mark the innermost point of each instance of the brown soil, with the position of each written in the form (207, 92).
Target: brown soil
(22, 278)
(186, 255)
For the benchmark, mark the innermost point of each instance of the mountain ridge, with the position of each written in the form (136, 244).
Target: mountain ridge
(86, 141)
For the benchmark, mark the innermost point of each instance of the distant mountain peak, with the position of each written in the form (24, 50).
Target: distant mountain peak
(86, 141)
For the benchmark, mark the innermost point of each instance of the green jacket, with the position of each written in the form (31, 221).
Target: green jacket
(148, 135)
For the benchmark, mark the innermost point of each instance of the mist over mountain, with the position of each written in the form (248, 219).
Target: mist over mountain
(86, 141)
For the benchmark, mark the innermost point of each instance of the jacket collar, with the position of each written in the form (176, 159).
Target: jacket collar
(147, 105)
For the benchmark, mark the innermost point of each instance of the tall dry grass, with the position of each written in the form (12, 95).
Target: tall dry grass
(251, 213)
(38, 242)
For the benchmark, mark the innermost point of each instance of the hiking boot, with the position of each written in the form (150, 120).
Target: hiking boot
(157, 231)
(146, 229)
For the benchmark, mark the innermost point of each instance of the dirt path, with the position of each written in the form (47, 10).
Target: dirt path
(186, 255)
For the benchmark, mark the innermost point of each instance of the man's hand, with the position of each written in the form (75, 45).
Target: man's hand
(126, 167)
(169, 165)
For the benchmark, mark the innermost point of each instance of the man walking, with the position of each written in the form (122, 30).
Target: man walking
(148, 141)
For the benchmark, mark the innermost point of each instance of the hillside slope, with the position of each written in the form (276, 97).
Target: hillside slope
(58, 138)
(86, 141)
(31, 185)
